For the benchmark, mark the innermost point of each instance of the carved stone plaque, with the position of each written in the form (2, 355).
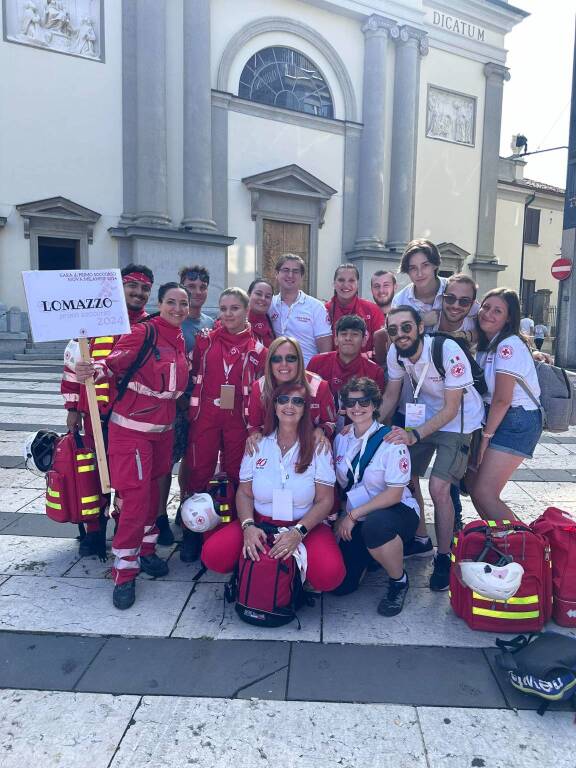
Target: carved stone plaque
(75, 27)
(451, 116)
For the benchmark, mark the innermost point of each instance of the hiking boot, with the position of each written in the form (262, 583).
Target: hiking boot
(190, 546)
(93, 543)
(153, 565)
(417, 548)
(165, 535)
(392, 604)
(440, 579)
(124, 595)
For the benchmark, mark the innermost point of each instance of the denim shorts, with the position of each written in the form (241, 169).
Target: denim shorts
(518, 433)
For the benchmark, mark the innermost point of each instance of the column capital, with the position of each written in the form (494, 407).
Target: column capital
(494, 71)
(380, 26)
(413, 36)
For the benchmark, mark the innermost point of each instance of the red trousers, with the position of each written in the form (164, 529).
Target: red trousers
(137, 460)
(215, 430)
(326, 568)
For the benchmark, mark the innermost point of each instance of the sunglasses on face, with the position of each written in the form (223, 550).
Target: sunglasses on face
(351, 402)
(450, 299)
(394, 330)
(285, 358)
(197, 276)
(296, 400)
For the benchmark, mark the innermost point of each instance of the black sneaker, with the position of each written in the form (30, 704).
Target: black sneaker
(190, 546)
(440, 579)
(416, 548)
(124, 595)
(392, 604)
(94, 543)
(153, 565)
(165, 535)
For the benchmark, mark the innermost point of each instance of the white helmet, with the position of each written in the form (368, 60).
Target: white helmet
(72, 354)
(39, 451)
(492, 581)
(198, 513)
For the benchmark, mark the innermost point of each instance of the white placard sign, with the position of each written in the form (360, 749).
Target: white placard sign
(72, 303)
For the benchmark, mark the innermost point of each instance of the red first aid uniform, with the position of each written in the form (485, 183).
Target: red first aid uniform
(322, 410)
(220, 358)
(367, 310)
(74, 393)
(261, 327)
(337, 373)
(141, 435)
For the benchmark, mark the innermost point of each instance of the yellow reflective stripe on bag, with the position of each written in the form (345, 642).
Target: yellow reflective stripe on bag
(103, 398)
(52, 505)
(87, 468)
(88, 499)
(528, 600)
(105, 385)
(93, 511)
(104, 340)
(55, 494)
(100, 352)
(491, 523)
(84, 456)
(505, 614)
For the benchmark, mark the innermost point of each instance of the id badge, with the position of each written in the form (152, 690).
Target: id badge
(282, 504)
(227, 392)
(356, 497)
(415, 415)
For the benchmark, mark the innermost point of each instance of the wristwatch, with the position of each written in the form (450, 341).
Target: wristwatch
(302, 530)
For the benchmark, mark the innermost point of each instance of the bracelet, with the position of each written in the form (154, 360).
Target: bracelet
(416, 435)
(487, 434)
(247, 523)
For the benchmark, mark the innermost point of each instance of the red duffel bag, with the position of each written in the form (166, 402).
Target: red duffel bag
(559, 527)
(499, 543)
(73, 492)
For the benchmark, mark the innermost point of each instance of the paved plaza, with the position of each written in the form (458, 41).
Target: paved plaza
(178, 680)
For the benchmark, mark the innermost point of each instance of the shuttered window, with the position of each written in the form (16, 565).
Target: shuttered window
(532, 226)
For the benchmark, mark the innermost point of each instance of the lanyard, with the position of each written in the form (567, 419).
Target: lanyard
(356, 471)
(285, 461)
(227, 368)
(416, 391)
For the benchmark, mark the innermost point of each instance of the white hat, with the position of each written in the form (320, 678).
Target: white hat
(72, 354)
(198, 513)
(492, 581)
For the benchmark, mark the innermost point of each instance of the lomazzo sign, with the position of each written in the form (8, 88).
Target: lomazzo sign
(75, 303)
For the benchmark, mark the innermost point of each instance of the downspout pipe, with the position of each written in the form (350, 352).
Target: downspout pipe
(528, 203)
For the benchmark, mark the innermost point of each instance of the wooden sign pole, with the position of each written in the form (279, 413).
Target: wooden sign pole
(95, 419)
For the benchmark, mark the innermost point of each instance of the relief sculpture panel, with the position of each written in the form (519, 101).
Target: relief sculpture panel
(75, 27)
(450, 116)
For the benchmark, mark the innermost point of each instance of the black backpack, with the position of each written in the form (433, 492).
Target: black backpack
(147, 349)
(542, 665)
(438, 339)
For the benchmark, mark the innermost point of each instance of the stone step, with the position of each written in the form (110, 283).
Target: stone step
(30, 356)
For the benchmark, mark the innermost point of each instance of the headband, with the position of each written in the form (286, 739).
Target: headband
(136, 277)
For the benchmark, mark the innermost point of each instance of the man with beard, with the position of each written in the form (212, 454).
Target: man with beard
(383, 285)
(347, 362)
(440, 420)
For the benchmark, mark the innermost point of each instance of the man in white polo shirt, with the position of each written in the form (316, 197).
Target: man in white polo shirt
(294, 313)
(444, 412)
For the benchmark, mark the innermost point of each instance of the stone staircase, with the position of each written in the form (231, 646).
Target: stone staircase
(45, 350)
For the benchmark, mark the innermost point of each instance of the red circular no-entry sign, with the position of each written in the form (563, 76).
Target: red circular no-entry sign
(561, 269)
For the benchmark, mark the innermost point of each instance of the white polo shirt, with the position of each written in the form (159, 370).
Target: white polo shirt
(458, 376)
(305, 320)
(468, 324)
(269, 470)
(513, 357)
(389, 468)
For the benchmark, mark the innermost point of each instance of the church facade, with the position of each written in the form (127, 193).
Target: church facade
(226, 132)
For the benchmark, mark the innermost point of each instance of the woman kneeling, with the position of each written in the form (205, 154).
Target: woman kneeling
(286, 484)
(381, 514)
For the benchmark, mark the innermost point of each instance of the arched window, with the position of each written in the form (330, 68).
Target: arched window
(286, 78)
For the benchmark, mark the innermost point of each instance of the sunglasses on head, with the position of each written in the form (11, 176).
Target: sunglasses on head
(285, 358)
(296, 400)
(394, 330)
(194, 275)
(350, 402)
(449, 298)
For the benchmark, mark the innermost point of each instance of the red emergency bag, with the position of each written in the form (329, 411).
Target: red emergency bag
(223, 493)
(500, 543)
(559, 528)
(73, 492)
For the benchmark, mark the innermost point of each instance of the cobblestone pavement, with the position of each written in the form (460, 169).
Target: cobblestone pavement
(178, 680)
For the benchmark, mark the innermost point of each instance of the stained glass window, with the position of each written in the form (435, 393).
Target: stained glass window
(286, 78)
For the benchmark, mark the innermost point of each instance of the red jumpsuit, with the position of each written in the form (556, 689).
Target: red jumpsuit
(322, 410)
(214, 429)
(140, 437)
(74, 393)
(261, 327)
(367, 310)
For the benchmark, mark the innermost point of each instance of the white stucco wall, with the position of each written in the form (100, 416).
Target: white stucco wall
(61, 135)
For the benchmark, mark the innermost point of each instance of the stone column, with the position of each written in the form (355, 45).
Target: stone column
(151, 155)
(198, 214)
(370, 230)
(410, 46)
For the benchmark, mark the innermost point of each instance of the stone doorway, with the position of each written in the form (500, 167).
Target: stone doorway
(58, 253)
(285, 237)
